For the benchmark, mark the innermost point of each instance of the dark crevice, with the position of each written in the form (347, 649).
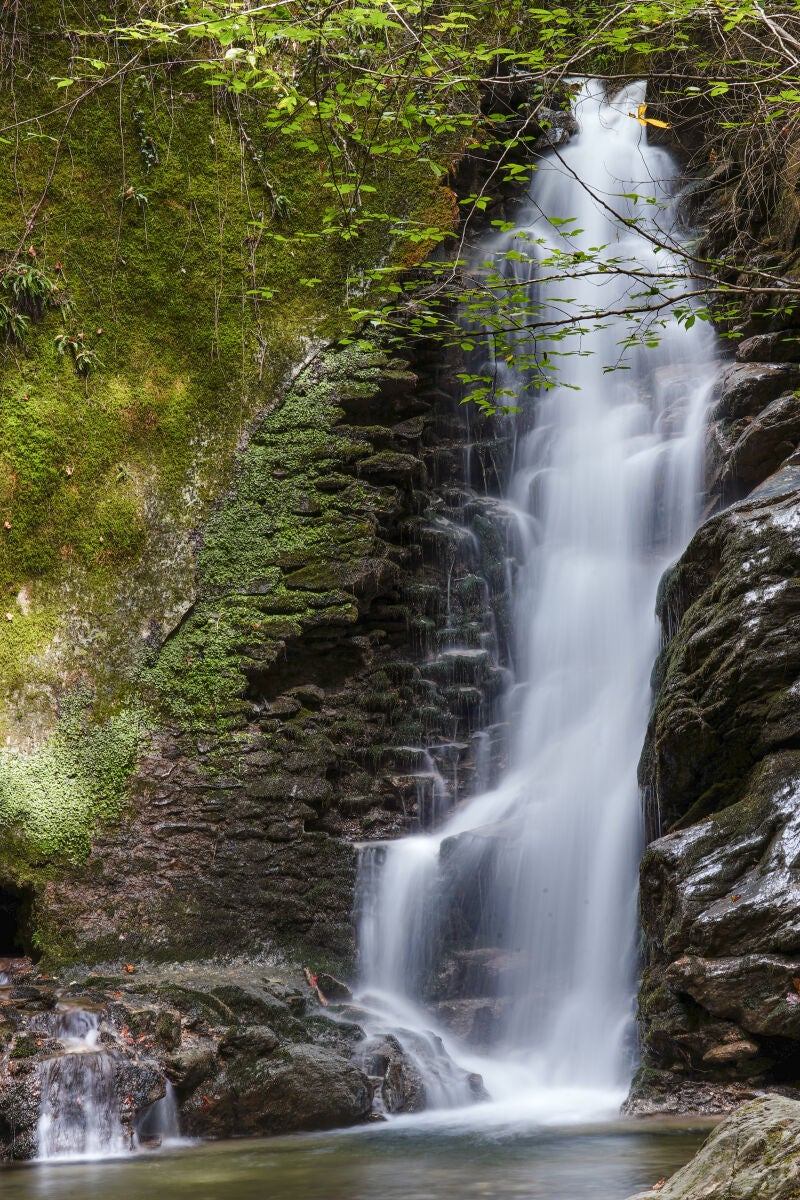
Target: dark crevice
(15, 921)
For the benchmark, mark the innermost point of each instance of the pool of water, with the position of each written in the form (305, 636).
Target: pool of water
(405, 1160)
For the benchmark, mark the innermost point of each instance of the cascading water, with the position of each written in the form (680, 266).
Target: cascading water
(79, 1115)
(81, 1107)
(541, 871)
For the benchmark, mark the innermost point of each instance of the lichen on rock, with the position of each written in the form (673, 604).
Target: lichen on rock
(752, 1155)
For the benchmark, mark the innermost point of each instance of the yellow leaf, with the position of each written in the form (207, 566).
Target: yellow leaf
(643, 120)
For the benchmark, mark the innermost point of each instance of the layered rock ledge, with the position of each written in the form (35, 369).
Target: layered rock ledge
(244, 1047)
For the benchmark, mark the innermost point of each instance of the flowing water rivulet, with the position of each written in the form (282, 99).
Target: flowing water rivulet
(603, 494)
(79, 1115)
(79, 1109)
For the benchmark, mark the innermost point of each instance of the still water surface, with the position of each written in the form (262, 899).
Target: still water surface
(403, 1160)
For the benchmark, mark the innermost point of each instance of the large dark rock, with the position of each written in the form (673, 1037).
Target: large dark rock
(731, 884)
(765, 443)
(297, 1087)
(720, 892)
(746, 388)
(726, 694)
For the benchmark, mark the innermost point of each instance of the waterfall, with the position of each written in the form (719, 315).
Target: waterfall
(79, 1113)
(533, 883)
(159, 1124)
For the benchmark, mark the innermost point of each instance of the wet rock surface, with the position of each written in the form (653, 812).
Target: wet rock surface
(720, 888)
(240, 1047)
(245, 1050)
(752, 1155)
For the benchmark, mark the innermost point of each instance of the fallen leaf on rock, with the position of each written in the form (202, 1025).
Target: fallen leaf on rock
(129, 969)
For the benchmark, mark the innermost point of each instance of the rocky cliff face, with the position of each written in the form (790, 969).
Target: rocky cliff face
(720, 890)
(341, 642)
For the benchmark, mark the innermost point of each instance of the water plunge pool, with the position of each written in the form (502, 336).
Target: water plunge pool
(402, 1160)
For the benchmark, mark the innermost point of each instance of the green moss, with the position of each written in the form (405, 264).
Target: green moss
(279, 553)
(100, 477)
(24, 1047)
(52, 798)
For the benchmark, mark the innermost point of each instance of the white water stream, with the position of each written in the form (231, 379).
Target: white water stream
(79, 1114)
(604, 492)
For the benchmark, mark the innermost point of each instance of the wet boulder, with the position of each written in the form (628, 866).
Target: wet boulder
(753, 1155)
(299, 1087)
(725, 697)
(764, 443)
(398, 1079)
(745, 388)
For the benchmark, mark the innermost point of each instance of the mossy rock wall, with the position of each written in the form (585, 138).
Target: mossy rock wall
(194, 527)
(305, 681)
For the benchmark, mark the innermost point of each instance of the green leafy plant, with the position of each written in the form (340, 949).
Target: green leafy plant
(13, 324)
(26, 293)
(358, 89)
(147, 143)
(84, 357)
(134, 193)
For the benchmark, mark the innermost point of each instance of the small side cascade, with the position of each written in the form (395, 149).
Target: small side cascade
(159, 1125)
(80, 1115)
(87, 1068)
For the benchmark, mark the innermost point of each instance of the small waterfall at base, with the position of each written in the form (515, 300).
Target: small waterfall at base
(528, 892)
(79, 1115)
(159, 1125)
